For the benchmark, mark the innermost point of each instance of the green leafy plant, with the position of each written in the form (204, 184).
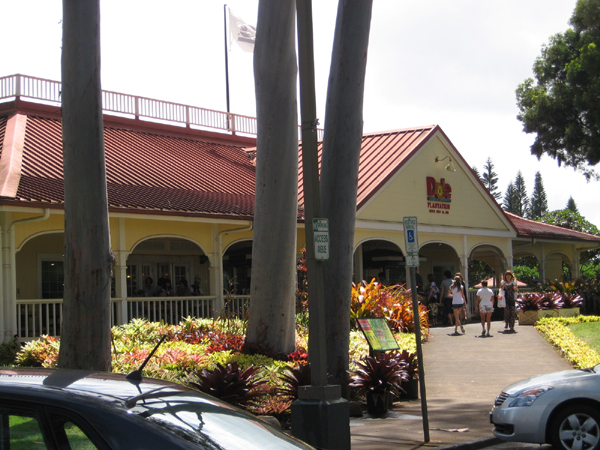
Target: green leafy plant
(40, 353)
(8, 352)
(229, 383)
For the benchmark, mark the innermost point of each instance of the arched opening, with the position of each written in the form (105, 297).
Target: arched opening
(379, 259)
(436, 258)
(526, 268)
(485, 262)
(558, 267)
(39, 267)
(237, 268)
(171, 260)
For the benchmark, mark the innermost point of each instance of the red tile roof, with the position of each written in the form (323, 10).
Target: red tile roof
(145, 172)
(532, 229)
(382, 155)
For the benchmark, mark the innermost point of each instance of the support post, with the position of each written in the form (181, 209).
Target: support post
(420, 356)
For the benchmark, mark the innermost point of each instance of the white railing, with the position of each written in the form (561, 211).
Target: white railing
(36, 317)
(237, 305)
(23, 86)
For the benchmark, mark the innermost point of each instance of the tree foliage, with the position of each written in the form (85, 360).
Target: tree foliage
(572, 206)
(561, 106)
(515, 199)
(490, 179)
(538, 205)
(567, 218)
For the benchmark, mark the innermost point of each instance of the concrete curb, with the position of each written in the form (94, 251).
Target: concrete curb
(474, 445)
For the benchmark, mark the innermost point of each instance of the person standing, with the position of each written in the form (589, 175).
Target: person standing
(433, 293)
(458, 303)
(446, 297)
(485, 306)
(509, 284)
(463, 314)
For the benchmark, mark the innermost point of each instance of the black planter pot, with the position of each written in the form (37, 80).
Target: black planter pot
(377, 402)
(412, 389)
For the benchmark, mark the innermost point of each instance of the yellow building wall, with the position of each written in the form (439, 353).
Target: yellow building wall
(406, 194)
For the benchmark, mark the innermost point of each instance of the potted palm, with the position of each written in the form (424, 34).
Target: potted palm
(377, 378)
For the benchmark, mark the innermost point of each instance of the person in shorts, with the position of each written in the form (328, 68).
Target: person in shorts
(485, 306)
(458, 303)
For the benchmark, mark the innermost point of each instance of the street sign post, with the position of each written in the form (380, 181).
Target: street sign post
(412, 261)
(321, 232)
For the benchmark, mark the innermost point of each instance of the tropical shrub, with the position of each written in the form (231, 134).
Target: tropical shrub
(528, 302)
(394, 303)
(42, 352)
(229, 383)
(293, 378)
(378, 374)
(8, 352)
(556, 331)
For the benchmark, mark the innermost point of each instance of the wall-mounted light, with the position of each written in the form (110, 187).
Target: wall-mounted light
(450, 166)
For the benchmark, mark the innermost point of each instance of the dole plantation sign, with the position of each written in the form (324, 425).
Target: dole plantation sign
(438, 196)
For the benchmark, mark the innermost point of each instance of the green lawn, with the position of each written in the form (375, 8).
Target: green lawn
(588, 332)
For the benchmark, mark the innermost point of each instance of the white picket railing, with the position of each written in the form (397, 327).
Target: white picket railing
(36, 317)
(23, 86)
(48, 91)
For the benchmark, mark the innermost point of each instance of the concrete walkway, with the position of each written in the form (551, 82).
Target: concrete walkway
(463, 376)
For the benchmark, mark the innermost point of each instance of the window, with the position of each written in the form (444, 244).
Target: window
(20, 430)
(52, 275)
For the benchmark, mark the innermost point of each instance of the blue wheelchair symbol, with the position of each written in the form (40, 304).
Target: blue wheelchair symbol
(411, 235)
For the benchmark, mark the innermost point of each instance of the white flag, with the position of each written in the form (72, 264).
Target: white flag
(241, 32)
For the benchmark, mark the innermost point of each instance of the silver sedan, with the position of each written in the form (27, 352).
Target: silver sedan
(561, 408)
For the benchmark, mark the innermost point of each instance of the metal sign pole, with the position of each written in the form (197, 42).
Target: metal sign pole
(419, 354)
(412, 261)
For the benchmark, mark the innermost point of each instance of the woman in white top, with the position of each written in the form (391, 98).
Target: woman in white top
(485, 305)
(458, 303)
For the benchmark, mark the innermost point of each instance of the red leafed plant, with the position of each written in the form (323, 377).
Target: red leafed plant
(293, 378)
(300, 355)
(230, 384)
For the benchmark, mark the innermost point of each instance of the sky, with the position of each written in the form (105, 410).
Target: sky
(451, 63)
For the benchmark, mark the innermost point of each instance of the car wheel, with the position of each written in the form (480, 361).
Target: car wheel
(576, 428)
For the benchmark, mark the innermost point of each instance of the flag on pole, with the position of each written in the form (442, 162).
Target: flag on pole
(241, 32)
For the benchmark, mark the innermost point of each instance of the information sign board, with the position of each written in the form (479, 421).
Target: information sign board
(378, 334)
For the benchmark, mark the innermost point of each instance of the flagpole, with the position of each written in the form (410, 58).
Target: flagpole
(226, 61)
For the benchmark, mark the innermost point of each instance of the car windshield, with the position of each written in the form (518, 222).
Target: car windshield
(212, 424)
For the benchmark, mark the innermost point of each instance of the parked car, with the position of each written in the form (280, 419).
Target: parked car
(561, 408)
(68, 409)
